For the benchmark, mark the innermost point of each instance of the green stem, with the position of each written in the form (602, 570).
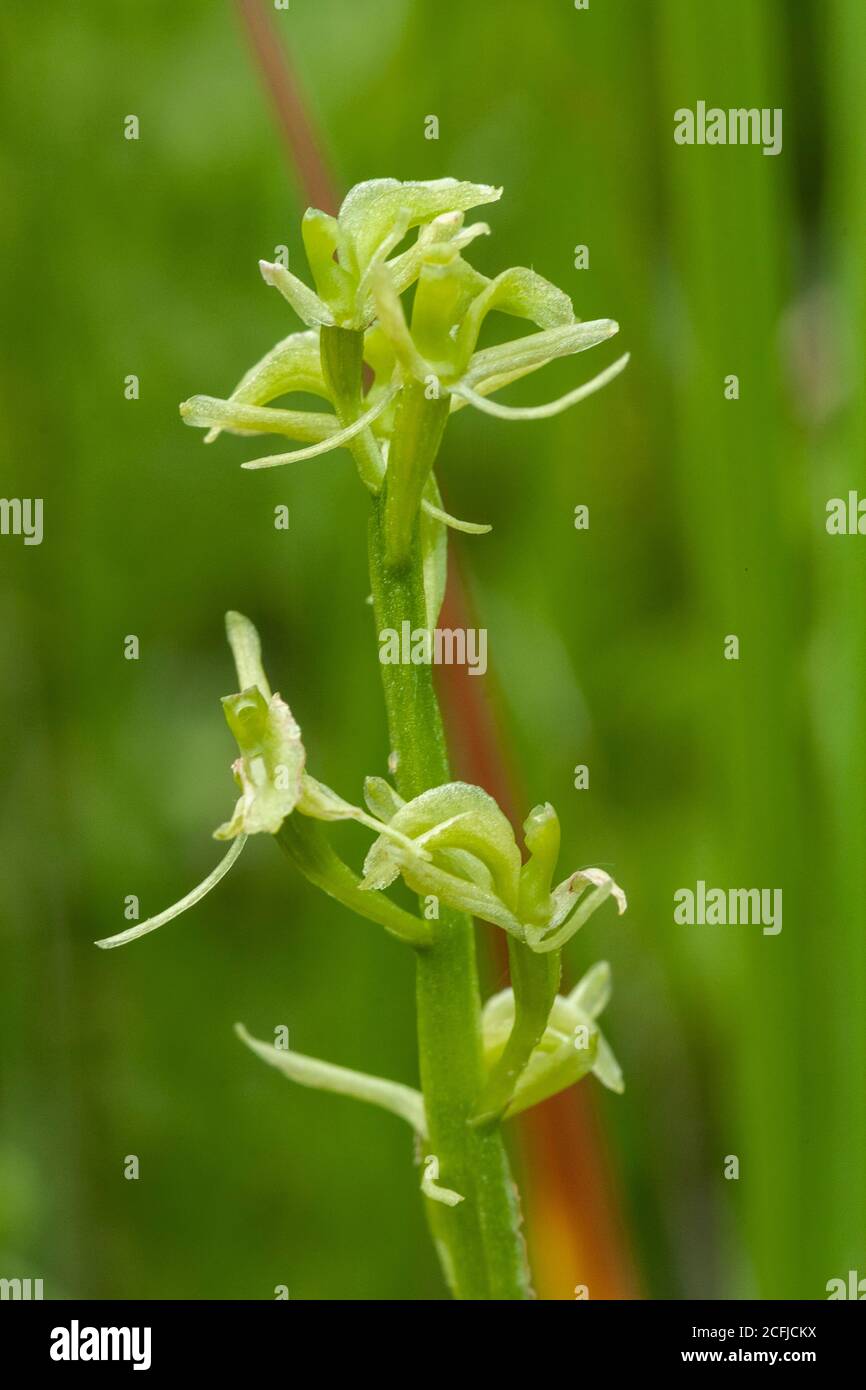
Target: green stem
(478, 1240)
(535, 980)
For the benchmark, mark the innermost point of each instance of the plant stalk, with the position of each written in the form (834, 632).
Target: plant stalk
(479, 1240)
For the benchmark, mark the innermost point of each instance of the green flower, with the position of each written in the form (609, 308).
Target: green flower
(274, 784)
(359, 285)
(345, 252)
(571, 1046)
(452, 300)
(455, 844)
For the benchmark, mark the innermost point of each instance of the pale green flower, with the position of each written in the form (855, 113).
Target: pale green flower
(438, 347)
(274, 784)
(456, 844)
(346, 251)
(571, 1046)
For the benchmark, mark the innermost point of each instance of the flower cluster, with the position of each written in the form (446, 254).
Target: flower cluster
(452, 842)
(357, 311)
(392, 347)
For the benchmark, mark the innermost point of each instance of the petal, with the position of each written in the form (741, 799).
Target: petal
(142, 928)
(592, 993)
(370, 209)
(520, 292)
(246, 649)
(321, 239)
(270, 769)
(542, 412)
(392, 322)
(381, 798)
(536, 349)
(554, 1068)
(294, 364)
(209, 412)
(563, 926)
(542, 838)
(607, 1068)
(469, 528)
(474, 822)
(305, 302)
(325, 1076)
(334, 441)
(445, 231)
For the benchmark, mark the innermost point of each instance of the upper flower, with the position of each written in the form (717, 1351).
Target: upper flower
(344, 252)
(359, 287)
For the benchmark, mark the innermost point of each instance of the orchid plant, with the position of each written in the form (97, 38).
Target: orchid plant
(389, 381)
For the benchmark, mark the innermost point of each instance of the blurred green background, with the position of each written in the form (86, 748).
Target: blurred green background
(706, 518)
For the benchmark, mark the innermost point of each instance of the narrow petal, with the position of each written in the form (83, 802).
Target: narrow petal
(565, 922)
(381, 798)
(305, 302)
(370, 209)
(401, 1100)
(520, 292)
(335, 441)
(542, 412)
(209, 412)
(536, 349)
(142, 928)
(392, 322)
(592, 993)
(246, 648)
(321, 239)
(293, 364)
(607, 1068)
(446, 231)
(469, 528)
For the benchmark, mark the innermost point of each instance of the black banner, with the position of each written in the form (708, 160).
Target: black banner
(84, 1338)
